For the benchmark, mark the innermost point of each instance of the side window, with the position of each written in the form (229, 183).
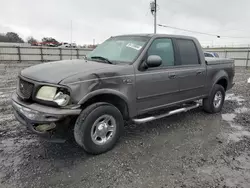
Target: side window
(163, 47)
(188, 52)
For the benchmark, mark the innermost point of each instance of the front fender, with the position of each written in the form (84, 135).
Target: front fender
(129, 103)
(103, 91)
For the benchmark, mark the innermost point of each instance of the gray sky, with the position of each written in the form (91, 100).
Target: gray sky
(99, 19)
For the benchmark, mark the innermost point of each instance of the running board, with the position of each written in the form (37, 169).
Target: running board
(177, 111)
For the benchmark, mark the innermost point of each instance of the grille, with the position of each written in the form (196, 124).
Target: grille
(25, 89)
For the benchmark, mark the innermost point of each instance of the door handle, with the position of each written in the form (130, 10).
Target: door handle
(172, 76)
(199, 72)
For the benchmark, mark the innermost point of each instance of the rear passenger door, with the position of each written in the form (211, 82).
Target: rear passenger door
(192, 74)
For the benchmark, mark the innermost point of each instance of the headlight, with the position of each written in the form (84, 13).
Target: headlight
(49, 93)
(46, 93)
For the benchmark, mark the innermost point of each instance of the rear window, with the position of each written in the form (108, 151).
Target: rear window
(216, 55)
(188, 52)
(208, 55)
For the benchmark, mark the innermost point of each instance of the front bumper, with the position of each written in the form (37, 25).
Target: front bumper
(33, 114)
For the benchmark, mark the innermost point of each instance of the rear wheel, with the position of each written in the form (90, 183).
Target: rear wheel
(214, 103)
(98, 127)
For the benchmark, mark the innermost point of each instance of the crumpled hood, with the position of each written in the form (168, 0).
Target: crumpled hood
(54, 72)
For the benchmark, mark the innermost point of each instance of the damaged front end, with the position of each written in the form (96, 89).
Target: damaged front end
(48, 122)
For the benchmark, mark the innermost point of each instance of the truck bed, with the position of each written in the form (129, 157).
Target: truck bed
(213, 61)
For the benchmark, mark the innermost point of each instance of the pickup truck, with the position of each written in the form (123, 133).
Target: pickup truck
(126, 78)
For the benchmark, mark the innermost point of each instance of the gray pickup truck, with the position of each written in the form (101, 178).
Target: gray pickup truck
(128, 77)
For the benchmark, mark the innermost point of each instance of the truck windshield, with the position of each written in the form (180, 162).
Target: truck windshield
(123, 49)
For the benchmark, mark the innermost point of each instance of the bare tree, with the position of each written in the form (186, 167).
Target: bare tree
(31, 40)
(50, 41)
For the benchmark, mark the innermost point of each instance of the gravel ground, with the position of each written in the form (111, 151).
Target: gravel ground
(192, 149)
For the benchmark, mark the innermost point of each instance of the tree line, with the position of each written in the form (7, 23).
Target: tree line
(11, 37)
(46, 41)
(15, 38)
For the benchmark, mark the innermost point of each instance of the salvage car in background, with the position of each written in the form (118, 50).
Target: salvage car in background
(211, 54)
(67, 45)
(125, 78)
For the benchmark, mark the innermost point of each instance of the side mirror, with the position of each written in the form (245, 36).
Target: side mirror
(154, 61)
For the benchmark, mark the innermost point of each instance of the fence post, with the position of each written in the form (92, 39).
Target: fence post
(247, 59)
(60, 53)
(41, 54)
(226, 54)
(77, 53)
(19, 54)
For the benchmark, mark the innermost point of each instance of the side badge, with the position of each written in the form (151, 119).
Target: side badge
(127, 81)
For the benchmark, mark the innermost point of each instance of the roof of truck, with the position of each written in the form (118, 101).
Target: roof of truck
(150, 35)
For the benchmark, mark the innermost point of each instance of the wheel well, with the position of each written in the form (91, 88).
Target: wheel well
(112, 99)
(223, 83)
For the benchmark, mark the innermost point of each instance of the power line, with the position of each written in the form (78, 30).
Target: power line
(188, 30)
(203, 33)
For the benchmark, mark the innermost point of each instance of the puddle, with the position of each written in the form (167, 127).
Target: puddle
(233, 97)
(229, 174)
(248, 81)
(243, 161)
(236, 126)
(238, 132)
(228, 117)
(241, 110)
(239, 135)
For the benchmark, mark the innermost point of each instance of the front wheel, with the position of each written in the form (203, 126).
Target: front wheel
(214, 103)
(98, 127)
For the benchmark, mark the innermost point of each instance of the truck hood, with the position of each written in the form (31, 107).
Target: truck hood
(55, 72)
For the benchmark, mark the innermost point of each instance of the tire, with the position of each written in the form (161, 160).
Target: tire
(86, 126)
(208, 103)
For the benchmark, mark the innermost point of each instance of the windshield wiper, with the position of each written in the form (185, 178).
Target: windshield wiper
(102, 58)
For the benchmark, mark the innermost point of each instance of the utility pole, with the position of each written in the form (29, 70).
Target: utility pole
(71, 39)
(155, 19)
(153, 8)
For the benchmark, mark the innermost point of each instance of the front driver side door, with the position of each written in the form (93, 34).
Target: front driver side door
(158, 87)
